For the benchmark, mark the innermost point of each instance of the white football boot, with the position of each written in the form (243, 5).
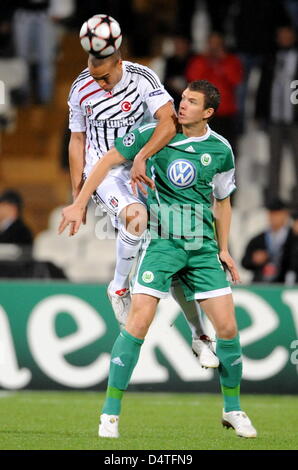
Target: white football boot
(120, 301)
(108, 426)
(202, 348)
(240, 422)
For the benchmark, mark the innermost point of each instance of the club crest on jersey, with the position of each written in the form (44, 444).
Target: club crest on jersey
(126, 106)
(88, 109)
(148, 277)
(206, 159)
(113, 201)
(129, 139)
(182, 173)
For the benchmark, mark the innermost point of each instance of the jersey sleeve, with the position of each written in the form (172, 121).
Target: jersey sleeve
(224, 180)
(154, 95)
(77, 122)
(131, 143)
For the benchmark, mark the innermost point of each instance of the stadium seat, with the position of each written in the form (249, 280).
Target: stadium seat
(61, 250)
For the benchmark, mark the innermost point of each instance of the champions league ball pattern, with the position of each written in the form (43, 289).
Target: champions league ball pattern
(101, 36)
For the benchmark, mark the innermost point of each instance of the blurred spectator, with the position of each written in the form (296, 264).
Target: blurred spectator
(254, 25)
(184, 17)
(292, 9)
(35, 42)
(175, 66)
(224, 70)
(6, 43)
(266, 255)
(274, 105)
(290, 265)
(218, 13)
(12, 227)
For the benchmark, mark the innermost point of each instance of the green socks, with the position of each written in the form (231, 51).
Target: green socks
(230, 371)
(124, 357)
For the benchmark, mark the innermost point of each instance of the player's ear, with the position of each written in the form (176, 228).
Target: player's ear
(208, 113)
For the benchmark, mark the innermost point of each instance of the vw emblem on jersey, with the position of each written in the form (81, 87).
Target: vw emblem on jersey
(126, 106)
(88, 109)
(182, 173)
(129, 139)
(206, 159)
(148, 277)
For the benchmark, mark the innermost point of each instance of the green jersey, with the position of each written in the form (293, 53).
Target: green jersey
(186, 173)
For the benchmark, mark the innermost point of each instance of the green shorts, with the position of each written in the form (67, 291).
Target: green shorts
(200, 271)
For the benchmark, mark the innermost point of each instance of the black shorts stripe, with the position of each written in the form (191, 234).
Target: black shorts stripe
(100, 202)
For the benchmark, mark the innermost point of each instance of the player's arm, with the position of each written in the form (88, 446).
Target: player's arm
(164, 132)
(223, 214)
(223, 186)
(73, 215)
(76, 160)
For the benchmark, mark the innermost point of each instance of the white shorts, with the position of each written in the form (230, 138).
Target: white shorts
(114, 194)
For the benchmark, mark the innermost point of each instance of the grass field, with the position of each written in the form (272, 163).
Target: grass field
(159, 421)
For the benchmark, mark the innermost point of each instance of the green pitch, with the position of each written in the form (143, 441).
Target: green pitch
(152, 421)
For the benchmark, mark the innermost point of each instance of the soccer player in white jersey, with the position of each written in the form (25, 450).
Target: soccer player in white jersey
(107, 100)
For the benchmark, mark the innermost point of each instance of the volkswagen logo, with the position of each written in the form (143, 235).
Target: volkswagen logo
(182, 173)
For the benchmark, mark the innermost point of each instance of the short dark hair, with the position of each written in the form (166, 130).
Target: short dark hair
(210, 92)
(12, 197)
(276, 204)
(97, 60)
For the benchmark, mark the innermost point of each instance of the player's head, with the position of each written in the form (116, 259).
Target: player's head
(11, 204)
(199, 102)
(106, 71)
(278, 214)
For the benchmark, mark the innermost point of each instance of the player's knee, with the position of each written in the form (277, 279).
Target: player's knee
(140, 317)
(227, 331)
(136, 219)
(137, 325)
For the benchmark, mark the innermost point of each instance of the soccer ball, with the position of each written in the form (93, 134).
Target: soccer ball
(101, 36)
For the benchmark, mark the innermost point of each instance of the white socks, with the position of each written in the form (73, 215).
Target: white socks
(128, 246)
(191, 310)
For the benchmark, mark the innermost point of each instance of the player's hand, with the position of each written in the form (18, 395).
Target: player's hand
(74, 196)
(139, 177)
(230, 264)
(73, 216)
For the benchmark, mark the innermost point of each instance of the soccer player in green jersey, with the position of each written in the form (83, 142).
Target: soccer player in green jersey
(195, 164)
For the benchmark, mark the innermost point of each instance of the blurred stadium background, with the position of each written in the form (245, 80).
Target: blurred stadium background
(52, 291)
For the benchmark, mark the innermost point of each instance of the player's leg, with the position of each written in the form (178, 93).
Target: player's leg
(152, 283)
(114, 194)
(220, 311)
(201, 343)
(124, 357)
(205, 281)
(133, 224)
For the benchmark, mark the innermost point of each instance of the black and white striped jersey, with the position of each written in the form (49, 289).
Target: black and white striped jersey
(106, 115)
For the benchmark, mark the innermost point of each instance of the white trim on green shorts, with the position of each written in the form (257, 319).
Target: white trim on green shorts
(213, 293)
(139, 289)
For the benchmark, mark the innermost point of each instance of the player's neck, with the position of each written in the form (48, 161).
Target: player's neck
(195, 130)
